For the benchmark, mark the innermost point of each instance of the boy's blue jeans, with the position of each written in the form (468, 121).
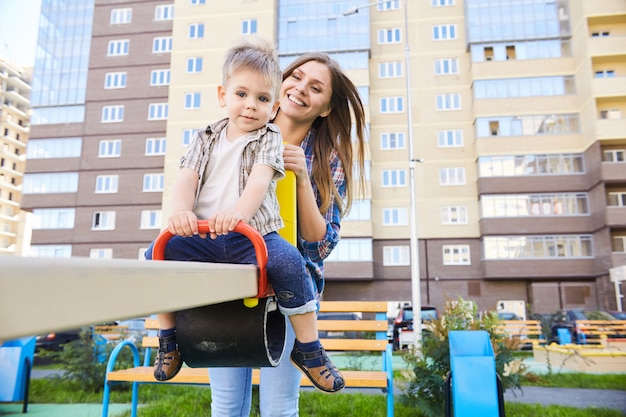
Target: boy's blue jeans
(286, 269)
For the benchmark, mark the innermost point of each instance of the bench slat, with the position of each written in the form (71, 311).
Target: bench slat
(352, 325)
(370, 379)
(353, 306)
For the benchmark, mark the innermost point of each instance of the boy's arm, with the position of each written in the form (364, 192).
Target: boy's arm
(249, 201)
(183, 221)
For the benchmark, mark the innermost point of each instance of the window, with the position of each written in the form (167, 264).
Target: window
(450, 138)
(360, 210)
(605, 74)
(197, 2)
(446, 66)
(121, 16)
(157, 111)
(59, 182)
(543, 204)
(617, 199)
(488, 53)
(394, 178)
(101, 253)
(619, 243)
(352, 250)
(451, 101)
(164, 12)
(112, 114)
(454, 215)
(118, 48)
(389, 5)
(528, 165)
(611, 114)
(392, 140)
(456, 255)
(396, 256)
(441, 3)
(153, 182)
(155, 146)
(103, 220)
(162, 44)
(600, 34)
(248, 26)
(196, 31)
(452, 176)
(510, 52)
(150, 219)
(55, 218)
(110, 148)
(187, 136)
(115, 80)
(395, 216)
(444, 32)
(390, 69)
(54, 148)
(612, 155)
(389, 36)
(50, 251)
(192, 100)
(392, 105)
(194, 64)
(160, 77)
(106, 184)
(538, 247)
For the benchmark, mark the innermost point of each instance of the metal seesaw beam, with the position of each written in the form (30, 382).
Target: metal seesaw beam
(41, 295)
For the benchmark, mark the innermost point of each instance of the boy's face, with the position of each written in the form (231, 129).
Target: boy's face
(249, 100)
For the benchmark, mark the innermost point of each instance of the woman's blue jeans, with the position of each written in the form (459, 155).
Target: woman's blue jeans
(231, 388)
(286, 269)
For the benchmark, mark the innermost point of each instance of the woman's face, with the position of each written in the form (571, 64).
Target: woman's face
(305, 94)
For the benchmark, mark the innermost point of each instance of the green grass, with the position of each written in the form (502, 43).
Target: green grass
(191, 401)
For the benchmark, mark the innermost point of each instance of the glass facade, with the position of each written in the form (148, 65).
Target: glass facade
(529, 125)
(62, 61)
(320, 26)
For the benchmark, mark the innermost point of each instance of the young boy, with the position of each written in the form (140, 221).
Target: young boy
(227, 176)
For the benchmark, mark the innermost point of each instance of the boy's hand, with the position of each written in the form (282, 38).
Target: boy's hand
(184, 223)
(223, 222)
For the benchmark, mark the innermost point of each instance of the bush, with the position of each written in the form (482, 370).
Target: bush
(431, 364)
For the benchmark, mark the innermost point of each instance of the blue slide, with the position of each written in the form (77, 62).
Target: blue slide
(473, 383)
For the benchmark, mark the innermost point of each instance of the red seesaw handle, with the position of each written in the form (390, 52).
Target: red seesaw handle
(158, 251)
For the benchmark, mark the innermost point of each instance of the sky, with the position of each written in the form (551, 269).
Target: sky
(19, 22)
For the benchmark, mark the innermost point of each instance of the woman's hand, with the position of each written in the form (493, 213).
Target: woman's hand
(184, 223)
(295, 161)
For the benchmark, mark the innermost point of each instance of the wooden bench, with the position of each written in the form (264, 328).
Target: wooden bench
(600, 330)
(527, 332)
(375, 327)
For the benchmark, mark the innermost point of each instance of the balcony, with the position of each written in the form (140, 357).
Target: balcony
(349, 271)
(609, 87)
(611, 129)
(613, 172)
(607, 45)
(536, 225)
(538, 269)
(616, 216)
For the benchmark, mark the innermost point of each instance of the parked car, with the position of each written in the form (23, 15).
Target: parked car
(54, 341)
(619, 315)
(508, 315)
(338, 334)
(404, 321)
(566, 319)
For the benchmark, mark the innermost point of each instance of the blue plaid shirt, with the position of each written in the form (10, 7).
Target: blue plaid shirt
(314, 253)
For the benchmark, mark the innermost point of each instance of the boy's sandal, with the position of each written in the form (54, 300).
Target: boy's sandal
(326, 377)
(166, 364)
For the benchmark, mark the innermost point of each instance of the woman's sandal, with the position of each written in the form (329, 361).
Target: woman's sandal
(326, 377)
(166, 364)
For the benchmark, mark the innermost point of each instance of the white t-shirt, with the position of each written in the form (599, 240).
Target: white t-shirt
(221, 188)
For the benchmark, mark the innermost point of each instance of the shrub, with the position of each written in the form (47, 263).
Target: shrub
(431, 363)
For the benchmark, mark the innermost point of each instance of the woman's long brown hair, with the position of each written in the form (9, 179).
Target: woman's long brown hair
(334, 133)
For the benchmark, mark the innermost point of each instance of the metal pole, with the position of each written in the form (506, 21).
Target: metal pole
(416, 291)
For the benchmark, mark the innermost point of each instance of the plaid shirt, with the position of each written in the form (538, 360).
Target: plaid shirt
(264, 146)
(314, 253)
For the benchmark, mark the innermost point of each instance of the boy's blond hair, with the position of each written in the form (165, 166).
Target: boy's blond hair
(257, 54)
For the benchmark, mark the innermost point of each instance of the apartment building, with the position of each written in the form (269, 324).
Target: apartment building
(95, 164)
(15, 127)
(517, 125)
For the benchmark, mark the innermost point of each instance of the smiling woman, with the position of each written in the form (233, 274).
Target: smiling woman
(19, 24)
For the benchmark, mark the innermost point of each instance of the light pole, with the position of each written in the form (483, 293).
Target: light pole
(416, 293)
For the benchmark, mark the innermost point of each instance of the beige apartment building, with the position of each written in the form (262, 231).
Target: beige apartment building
(518, 138)
(15, 127)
